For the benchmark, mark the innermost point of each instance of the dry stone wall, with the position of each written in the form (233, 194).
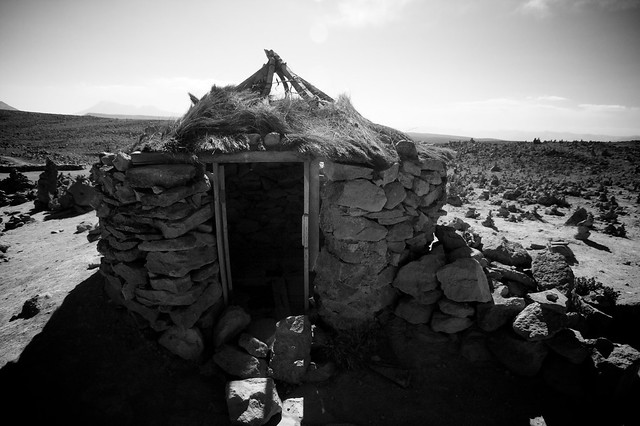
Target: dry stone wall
(158, 247)
(373, 222)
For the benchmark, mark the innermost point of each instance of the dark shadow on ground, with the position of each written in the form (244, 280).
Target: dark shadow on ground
(64, 214)
(92, 365)
(597, 246)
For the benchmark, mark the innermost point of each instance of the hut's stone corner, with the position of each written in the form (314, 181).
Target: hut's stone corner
(159, 252)
(373, 222)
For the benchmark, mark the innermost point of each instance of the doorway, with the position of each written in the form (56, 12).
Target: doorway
(265, 233)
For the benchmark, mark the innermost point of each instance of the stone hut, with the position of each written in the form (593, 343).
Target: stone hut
(270, 204)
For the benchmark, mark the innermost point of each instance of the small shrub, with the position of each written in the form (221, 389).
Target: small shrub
(352, 349)
(594, 291)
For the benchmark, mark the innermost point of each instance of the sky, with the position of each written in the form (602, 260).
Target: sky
(482, 68)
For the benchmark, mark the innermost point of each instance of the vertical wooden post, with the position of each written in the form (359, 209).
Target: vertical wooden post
(225, 231)
(305, 234)
(314, 213)
(214, 176)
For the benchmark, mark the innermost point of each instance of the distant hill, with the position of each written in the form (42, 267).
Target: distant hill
(7, 107)
(66, 139)
(127, 117)
(106, 109)
(440, 139)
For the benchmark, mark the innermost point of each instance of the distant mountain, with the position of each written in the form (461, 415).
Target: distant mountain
(129, 117)
(115, 110)
(7, 107)
(438, 138)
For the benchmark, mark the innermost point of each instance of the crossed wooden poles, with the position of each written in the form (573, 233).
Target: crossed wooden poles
(262, 80)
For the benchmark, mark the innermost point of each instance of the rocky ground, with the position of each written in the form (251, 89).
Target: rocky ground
(69, 354)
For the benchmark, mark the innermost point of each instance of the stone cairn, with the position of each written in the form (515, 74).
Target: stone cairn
(158, 246)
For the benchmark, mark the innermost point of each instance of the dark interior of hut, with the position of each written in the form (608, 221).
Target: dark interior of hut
(265, 205)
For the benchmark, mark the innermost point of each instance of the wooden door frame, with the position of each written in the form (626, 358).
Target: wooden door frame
(310, 220)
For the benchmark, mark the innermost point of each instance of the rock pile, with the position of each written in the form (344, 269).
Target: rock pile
(16, 189)
(373, 222)
(255, 354)
(527, 312)
(16, 220)
(59, 192)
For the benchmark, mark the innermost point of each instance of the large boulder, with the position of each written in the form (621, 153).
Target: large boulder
(418, 277)
(552, 270)
(501, 250)
(464, 281)
(252, 402)
(537, 323)
(291, 351)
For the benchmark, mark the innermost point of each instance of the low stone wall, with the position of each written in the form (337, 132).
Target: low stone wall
(158, 246)
(373, 222)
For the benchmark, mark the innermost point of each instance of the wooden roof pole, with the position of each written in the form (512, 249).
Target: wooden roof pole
(268, 85)
(313, 89)
(255, 77)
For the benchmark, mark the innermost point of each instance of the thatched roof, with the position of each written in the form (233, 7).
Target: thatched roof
(313, 125)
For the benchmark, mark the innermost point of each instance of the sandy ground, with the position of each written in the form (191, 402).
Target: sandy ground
(47, 258)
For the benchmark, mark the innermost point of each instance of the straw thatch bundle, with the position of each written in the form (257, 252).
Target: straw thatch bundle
(220, 121)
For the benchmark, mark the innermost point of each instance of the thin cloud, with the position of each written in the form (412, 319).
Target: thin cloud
(550, 98)
(603, 108)
(539, 8)
(361, 13)
(355, 14)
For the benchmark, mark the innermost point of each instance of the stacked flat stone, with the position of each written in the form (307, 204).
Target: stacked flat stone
(373, 222)
(158, 246)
